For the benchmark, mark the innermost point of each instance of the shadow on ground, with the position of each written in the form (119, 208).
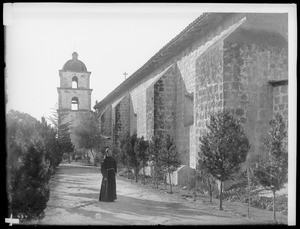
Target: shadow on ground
(75, 194)
(129, 210)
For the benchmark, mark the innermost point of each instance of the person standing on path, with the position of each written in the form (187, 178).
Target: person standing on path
(108, 185)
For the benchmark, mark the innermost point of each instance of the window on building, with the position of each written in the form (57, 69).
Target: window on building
(75, 82)
(74, 104)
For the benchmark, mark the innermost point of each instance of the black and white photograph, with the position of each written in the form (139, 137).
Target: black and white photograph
(150, 114)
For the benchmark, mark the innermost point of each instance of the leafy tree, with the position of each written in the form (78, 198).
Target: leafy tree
(89, 134)
(142, 153)
(248, 177)
(51, 145)
(65, 143)
(122, 152)
(272, 172)
(169, 157)
(205, 177)
(249, 184)
(29, 184)
(133, 152)
(62, 127)
(132, 158)
(20, 129)
(56, 140)
(27, 166)
(223, 148)
(155, 146)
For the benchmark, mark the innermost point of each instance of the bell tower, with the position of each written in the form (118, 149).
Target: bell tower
(74, 93)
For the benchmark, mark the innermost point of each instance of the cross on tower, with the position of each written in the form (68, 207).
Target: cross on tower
(125, 74)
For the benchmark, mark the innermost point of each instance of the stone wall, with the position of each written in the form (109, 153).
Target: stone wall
(121, 118)
(157, 96)
(210, 92)
(249, 66)
(132, 117)
(73, 117)
(187, 137)
(280, 104)
(117, 124)
(184, 112)
(150, 112)
(164, 103)
(84, 98)
(140, 100)
(125, 113)
(66, 79)
(65, 95)
(280, 101)
(182, 176)
(105, 120)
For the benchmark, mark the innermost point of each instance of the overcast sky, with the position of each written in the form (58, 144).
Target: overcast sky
(110, 39)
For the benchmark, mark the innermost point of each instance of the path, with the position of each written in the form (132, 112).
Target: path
(74, 200)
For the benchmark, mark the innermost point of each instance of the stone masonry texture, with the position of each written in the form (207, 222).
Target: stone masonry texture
(105, 121)
(239, 64)
(280, 105)
(249, 66)
(65, 95)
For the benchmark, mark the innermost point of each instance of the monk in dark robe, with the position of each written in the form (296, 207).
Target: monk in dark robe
(108, 170)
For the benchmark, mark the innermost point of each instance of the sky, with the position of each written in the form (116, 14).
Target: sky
(109, 38)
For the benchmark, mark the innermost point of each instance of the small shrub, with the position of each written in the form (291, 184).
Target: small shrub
(239, 194)
(29, 185)
(126, 173)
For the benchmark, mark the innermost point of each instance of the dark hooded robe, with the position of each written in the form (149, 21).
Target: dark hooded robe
(108, 186)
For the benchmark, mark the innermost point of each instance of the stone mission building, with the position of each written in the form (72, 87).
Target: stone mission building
(74, 93)
(231, 61)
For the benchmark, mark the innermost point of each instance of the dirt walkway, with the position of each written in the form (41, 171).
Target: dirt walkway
(74, 200)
